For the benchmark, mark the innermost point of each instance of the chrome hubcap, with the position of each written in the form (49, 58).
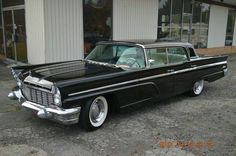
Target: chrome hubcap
(198, 87)
(98, 111)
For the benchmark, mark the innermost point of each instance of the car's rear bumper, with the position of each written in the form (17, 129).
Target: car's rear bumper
(63, 116)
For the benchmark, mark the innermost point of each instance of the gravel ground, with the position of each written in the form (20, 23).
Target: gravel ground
(204, 125)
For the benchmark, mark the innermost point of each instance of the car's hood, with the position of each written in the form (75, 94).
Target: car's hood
(64, 71)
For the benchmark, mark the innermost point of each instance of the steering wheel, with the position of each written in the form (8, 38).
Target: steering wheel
(131, 62)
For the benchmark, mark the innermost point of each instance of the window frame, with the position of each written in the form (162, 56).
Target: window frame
(194, 51)
(166, 52)
(146, 63)
(185, 51)
(232, 13)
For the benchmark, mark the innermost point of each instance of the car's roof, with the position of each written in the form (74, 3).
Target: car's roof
(148, 43)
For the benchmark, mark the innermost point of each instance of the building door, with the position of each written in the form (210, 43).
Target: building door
(15, 34)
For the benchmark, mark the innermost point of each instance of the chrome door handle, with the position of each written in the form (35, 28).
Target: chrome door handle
(171, 70)
(193, 65)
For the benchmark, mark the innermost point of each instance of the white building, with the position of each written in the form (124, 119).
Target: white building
(42, 31)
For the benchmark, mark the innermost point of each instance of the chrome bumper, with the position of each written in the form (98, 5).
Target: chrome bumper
(16, 95)
(225, 71)
(63, 116)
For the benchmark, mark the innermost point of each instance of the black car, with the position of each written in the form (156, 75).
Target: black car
(115, 74)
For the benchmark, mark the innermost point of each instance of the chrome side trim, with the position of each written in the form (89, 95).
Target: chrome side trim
(111, 90)
(104, 87)
(150, 77)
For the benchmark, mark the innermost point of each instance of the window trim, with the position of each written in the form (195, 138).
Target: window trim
(188, 49)
(232, 12)
(146, 63)
(186, 53)
(169, 64)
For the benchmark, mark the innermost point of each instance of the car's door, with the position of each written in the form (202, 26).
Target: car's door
(178, 59)
(160, 70)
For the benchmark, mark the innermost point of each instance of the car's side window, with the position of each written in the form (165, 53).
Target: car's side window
(176, 55)
(157, 57)
(192, 52)
(132, 56)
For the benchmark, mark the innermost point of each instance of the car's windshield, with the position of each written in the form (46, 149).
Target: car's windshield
(120, 55)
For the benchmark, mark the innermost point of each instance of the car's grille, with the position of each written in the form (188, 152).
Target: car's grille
(37, 95)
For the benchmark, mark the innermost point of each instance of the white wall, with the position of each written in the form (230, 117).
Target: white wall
(34, 12)
(135, 19)
(63, 30)
(217, 26)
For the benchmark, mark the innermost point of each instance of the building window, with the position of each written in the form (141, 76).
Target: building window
(175, 23)
(230, 28)
(13, 30)
(164, 19)
(170, 19)
(97, 22)
(184, 20)
(200, 24)
(8, 3)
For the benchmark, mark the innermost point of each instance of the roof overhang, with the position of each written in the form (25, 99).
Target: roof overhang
(225, 3)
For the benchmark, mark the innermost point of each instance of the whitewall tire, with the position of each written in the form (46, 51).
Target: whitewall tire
(197, 88)
(94, 113)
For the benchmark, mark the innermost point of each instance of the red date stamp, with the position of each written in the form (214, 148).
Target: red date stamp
(189, 144)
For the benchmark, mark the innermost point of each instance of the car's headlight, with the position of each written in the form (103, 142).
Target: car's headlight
(57, 97)
(19, 84)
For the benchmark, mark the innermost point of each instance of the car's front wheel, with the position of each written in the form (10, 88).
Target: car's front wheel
(94, 113)
(197, 88)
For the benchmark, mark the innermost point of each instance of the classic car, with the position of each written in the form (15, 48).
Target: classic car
(116, 74)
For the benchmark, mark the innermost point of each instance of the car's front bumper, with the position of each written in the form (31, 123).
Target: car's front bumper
(63, 116)
(225, 71)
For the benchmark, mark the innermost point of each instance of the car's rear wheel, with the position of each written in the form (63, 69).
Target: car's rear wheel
(94, 113)
(197, 88)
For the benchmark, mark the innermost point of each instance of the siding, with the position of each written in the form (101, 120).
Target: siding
(135, 19)
(63, 30)
(34, 12)
(217, 26)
